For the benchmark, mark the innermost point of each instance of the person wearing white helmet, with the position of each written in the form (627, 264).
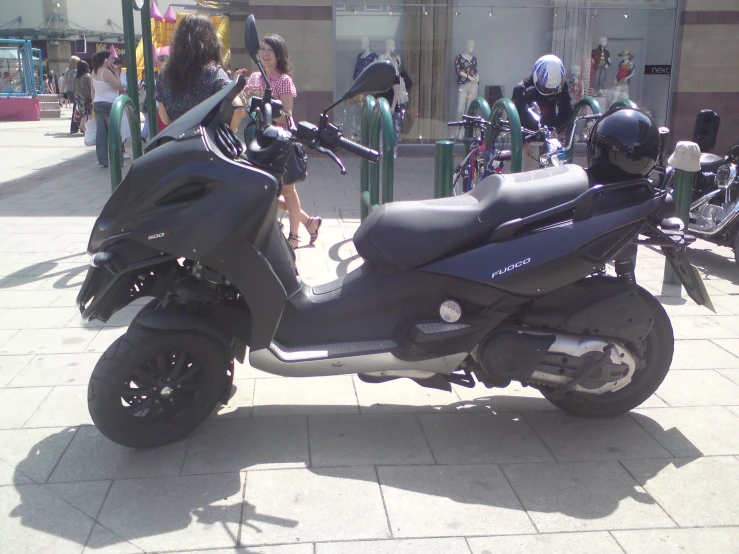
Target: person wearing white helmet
(547, 87)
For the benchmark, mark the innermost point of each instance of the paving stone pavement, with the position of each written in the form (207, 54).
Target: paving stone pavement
(334, 465)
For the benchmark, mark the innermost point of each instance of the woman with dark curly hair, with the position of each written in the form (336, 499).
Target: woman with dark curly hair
(276, 62)
(193, 72)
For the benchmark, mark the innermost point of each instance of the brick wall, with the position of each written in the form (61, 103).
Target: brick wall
(708, 69)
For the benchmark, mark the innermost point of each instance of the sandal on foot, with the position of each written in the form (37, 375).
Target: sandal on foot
(293, 241)
(314, 235)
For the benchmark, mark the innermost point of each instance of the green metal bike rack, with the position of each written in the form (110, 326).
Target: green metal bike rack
(505, 107)
(585, 102)
(481, 106)
(123, 104)
(380, 127)
(130, 103)
(368, 107)
(624, 103)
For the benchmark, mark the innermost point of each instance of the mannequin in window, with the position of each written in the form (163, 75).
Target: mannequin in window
(396, 95)
(623, 78)
(601, 59)
(574, 83)
(465, 66)
(389, 54)
(625, 70)
(364, 58)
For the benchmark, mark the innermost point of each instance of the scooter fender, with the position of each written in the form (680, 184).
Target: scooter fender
(224, 325)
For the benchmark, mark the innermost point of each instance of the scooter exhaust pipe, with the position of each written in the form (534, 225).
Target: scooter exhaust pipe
(347, 359)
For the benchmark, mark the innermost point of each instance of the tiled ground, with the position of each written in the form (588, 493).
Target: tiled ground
(334, 465)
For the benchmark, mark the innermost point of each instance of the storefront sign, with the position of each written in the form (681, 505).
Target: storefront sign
(658, 70)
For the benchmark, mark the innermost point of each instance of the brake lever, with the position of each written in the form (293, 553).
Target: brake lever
(333, 156)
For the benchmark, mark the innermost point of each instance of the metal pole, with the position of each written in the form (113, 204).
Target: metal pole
(585, 102)
(686, 161)
(507, 107)
(388, 151)
(481, 105)
(129, 39)
(624, 103)
(123, 105)
(444, 168)
(151, 106)
(368, 107)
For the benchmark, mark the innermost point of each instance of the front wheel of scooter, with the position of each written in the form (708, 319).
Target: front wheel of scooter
(153, 387)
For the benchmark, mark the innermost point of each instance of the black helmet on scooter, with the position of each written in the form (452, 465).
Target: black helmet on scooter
(624, 144)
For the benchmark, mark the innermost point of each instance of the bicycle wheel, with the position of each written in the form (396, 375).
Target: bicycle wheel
(462, 181)
(501, 151)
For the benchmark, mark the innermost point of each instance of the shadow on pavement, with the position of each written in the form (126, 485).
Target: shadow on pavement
(45, 270)
(210, 498)
(718, 262)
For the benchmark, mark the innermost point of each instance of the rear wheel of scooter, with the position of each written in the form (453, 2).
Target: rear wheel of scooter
(657, 357)
(736, 249)
(153, 387)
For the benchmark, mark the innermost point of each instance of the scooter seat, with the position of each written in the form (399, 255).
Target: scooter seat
(711, 162)
(411, 234)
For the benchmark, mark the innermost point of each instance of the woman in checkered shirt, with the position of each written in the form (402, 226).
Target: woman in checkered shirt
(276, 62)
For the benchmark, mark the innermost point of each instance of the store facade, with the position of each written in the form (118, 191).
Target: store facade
(450, 53)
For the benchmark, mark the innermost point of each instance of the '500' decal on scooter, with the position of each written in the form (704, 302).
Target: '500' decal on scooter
(510, 268)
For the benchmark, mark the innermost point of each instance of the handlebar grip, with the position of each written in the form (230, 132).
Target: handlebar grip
(457, 124)
(359, 150)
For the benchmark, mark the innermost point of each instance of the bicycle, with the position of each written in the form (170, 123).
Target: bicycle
(481, 161)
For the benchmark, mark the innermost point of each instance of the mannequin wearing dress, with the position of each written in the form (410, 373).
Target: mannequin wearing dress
(623, 78)
(465, 66)
(601, 62)
(364, 58)
(575, 84)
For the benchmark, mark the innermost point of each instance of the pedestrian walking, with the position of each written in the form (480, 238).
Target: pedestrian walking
(69, 76)
(278, 67)
(193, 72)
(106, 86)
(83, 93)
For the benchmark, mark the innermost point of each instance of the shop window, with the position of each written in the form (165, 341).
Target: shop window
(450, 52)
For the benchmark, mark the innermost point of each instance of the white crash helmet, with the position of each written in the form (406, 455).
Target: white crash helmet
(549, 75)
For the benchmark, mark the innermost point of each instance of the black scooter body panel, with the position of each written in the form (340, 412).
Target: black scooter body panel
(547, 259)
(375, 302)
(204, 210)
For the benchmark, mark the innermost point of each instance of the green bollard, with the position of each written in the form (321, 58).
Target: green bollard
(686, 161)
(444, 168)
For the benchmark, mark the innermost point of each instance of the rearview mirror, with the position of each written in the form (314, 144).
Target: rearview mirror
(251, 39)
(376, 78)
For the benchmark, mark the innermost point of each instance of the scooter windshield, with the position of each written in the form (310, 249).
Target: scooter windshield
(215, 110)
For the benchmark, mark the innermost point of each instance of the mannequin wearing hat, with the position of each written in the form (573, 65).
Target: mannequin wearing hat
(625, 69)
(623, 77)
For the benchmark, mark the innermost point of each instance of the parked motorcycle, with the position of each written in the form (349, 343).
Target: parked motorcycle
(505, 283)
(714, 211)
